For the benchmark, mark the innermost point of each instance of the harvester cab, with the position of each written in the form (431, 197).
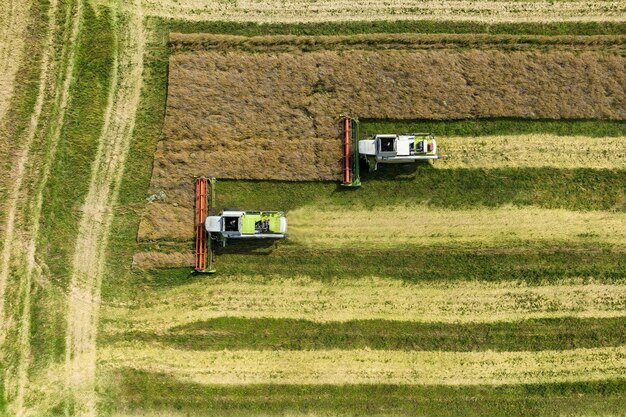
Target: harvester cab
(229, 224)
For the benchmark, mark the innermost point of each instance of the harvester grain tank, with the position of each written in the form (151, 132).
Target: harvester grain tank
(229, 224)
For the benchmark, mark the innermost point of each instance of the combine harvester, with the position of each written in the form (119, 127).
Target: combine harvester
(229, 224)
(382, 149)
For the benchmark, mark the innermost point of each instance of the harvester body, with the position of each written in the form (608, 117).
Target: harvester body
(235, 224)
(398, 149)
(229, 224)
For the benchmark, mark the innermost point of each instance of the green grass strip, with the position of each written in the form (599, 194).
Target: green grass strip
(288, 334)
(69, 180)
(572, 189)
(145, 392)
(534, 265)
(485, 127)
(119, 280)
(418, 26)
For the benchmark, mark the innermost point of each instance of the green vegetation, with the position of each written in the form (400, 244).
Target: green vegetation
(408, 26)
(573, 189)
(155, 392)
(485, 127)
(281, 334)
(533, 265)
(60, 211)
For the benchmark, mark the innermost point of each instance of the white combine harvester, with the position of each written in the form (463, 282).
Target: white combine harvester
(398, 149)
(382, 149)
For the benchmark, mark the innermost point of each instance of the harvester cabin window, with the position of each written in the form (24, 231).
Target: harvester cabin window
(231, 224)
(386, 144)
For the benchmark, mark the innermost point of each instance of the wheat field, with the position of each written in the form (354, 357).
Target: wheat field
(491, 282)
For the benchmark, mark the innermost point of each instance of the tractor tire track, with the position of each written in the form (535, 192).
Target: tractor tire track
(106, 175)
(62, 98)
(18, 177)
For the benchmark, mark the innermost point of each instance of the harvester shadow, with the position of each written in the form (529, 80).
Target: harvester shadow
(389, 172)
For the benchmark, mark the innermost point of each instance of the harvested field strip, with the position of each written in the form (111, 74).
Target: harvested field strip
(14, 19)
(364, 366)
(327, 10)
(533, 151)
(367, 299)
(234, 333)
(334, 227)
(140, 394)
(529, 263)
(186, 42)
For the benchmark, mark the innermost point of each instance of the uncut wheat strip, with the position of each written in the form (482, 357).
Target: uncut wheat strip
(336, 227)
(14, 18)
(345, 10)
(368, 298)
(533, 151)
(364, 366)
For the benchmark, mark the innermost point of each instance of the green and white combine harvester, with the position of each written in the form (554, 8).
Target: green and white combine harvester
(382, 149)
(229, 224)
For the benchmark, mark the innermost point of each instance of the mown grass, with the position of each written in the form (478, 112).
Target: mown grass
(61, 204)
(288, 334)
(486, 127)
(148, 392)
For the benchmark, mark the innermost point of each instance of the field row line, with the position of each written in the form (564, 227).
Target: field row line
(364, 366)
